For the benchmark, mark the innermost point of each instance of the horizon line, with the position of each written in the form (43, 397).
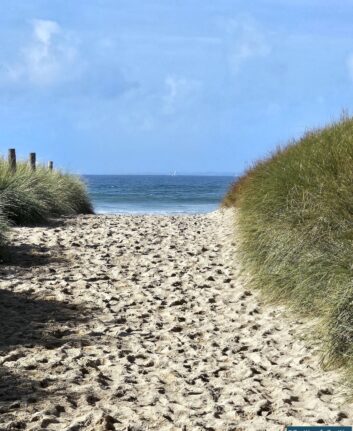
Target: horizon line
(186, 174)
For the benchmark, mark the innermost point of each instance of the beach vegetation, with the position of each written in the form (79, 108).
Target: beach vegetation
(34, 196)
(294, 218)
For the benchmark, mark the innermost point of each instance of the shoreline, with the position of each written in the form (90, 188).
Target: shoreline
(154, 214)
(144, 321)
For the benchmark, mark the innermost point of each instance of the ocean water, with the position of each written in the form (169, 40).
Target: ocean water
(156, 194)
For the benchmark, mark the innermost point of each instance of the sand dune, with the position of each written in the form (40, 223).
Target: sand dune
(144, 323)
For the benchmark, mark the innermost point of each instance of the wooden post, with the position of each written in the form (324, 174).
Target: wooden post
(50, 165)
(12, 159)
(32, 161)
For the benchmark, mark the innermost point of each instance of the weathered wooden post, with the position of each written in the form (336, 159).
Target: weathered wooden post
(50, 165)
(32, 161)
(12, 159)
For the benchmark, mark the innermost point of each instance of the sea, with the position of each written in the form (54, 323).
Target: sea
(156, 194)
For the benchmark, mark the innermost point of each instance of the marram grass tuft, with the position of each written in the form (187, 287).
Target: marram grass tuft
(295, 223)
(28, 197)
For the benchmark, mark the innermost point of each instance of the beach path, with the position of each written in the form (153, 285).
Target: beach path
(144, 323)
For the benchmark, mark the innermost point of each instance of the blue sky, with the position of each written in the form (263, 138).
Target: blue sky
(154, 86)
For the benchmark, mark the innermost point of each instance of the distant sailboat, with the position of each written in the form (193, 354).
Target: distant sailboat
(173, 174)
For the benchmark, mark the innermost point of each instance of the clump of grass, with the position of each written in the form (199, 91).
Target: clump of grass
(295, 220)
(28, 197)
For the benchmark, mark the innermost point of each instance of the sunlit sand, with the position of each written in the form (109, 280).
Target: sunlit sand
(142, 322)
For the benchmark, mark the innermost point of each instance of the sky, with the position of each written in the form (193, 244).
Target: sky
(157, 86)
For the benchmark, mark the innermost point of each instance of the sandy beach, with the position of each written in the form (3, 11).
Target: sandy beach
(145, 323)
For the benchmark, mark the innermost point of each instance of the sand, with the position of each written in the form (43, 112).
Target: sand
(145, 323)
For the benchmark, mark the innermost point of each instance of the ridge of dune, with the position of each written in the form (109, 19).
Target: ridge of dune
(145, 323)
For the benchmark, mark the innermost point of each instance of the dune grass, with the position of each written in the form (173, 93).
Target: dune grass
(295, 222)
(28, 197)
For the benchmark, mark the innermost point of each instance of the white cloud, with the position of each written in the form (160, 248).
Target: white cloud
(47, 59)
(55, 62)
(245, 41)
(50, 55)
(44, 30)
(179, 92)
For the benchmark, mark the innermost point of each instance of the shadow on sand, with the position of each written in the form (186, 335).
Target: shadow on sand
(28, 320)
(26, 256)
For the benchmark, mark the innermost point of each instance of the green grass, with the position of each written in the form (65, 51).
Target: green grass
(295, 224)
(29, 197)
